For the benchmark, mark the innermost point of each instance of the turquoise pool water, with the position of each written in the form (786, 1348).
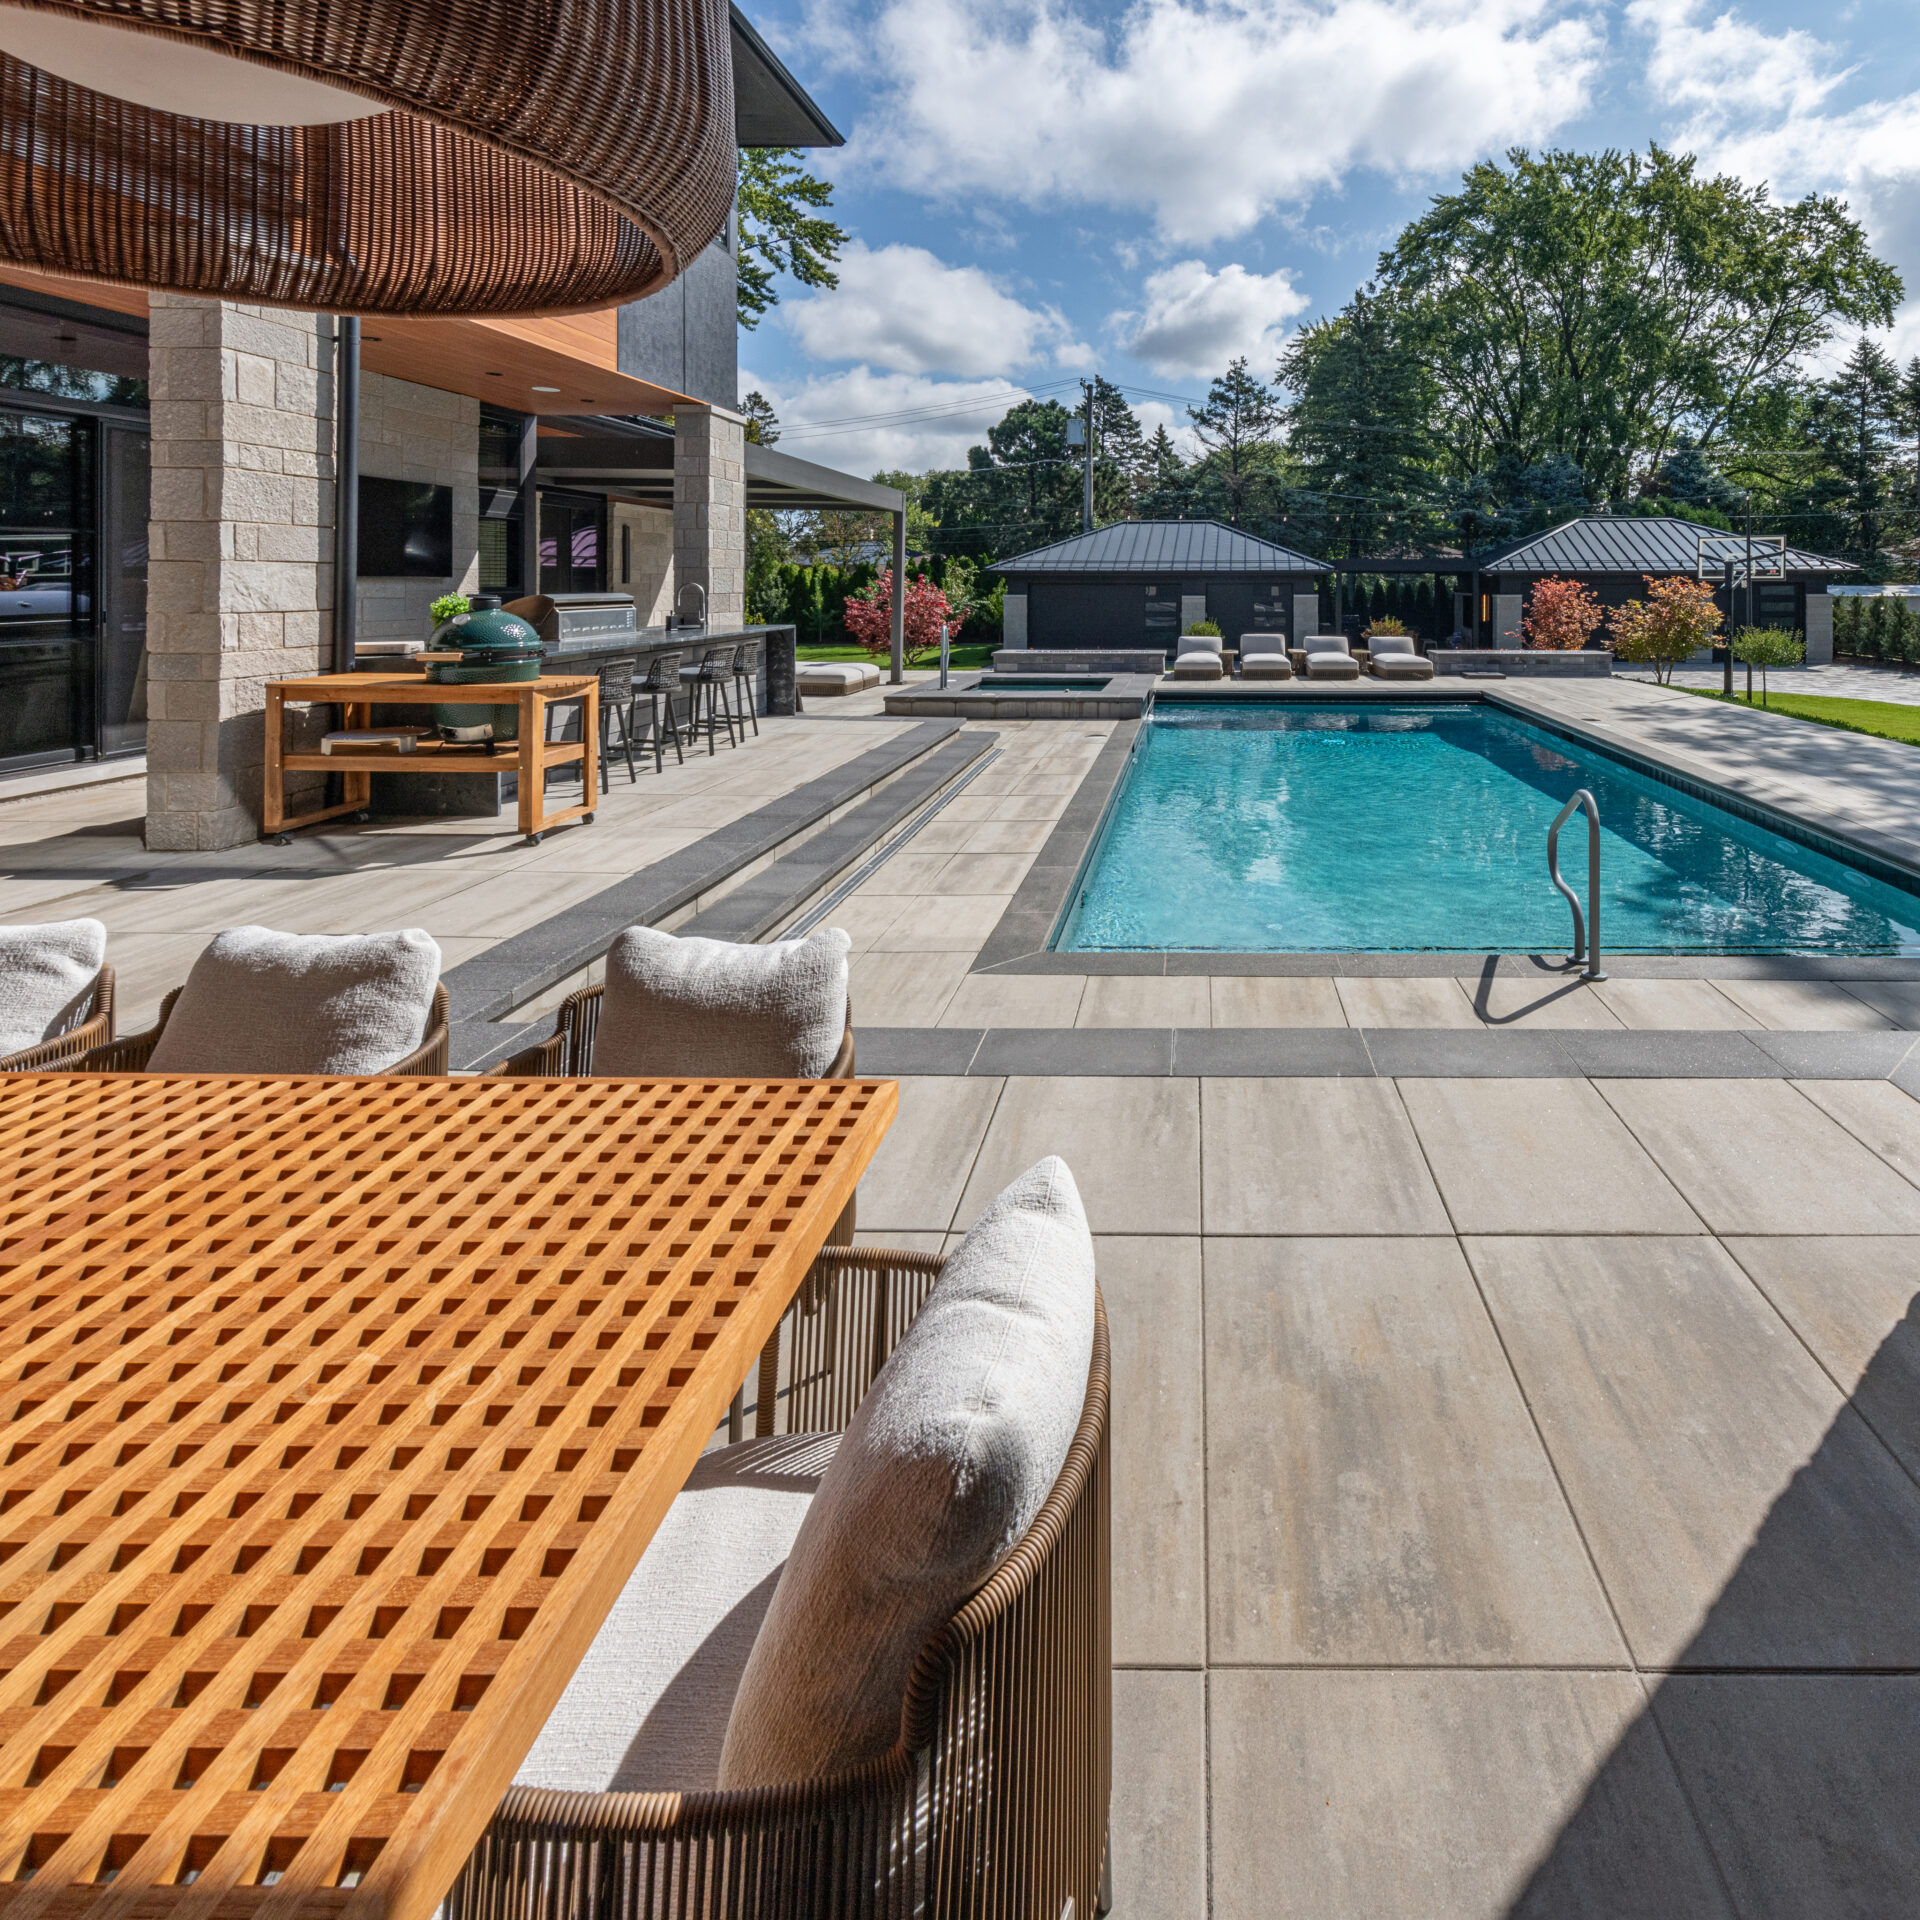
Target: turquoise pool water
(1379, 829)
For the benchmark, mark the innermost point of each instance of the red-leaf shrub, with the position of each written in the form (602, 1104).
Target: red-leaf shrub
(1562, 614)
(870, 616)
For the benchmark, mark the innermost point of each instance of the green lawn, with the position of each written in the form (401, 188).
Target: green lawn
(1882, 717)
(976, 653)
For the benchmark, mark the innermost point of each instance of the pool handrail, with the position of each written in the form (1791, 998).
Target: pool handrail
(1586, 929)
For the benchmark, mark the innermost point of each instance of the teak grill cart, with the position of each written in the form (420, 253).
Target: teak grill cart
(359, 693)
(337, 1414)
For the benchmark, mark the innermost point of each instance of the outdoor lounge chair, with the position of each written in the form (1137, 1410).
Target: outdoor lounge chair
(1263, 656)
(696, 1764)
(1328, 657)
(56, 994)
(1196, 656)
(263, 1002)
(1391, 656)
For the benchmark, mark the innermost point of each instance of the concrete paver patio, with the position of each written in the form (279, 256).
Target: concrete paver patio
(1516, 1481)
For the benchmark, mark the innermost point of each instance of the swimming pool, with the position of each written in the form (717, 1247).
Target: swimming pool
(1383, 828)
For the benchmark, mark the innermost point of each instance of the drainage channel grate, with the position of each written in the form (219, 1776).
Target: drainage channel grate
(861, 874)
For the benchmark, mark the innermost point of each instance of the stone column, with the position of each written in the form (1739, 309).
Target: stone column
(239, 583)
(710, 513)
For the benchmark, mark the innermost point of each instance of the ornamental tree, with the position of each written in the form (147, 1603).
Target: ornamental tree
(869, 616)
(1562, 614)
(1677, 619)
(1765, 647)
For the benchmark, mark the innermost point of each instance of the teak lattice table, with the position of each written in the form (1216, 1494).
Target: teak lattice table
(337, 1413)
(359, 693)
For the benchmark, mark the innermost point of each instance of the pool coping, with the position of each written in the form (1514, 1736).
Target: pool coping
(1018, 944)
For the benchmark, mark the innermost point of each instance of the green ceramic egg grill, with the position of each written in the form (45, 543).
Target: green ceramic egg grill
(495, 647)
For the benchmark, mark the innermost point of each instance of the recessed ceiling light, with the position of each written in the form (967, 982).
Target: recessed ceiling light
(546, 389)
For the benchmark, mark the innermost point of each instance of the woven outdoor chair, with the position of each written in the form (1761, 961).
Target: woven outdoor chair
(992, 1804)
(131, 1054)
(746, 668)
(713, 690)
(617, 698)
(93, 1029)
(660, 686)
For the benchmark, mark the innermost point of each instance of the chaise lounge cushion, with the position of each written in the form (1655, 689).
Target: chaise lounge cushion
(47, 975)
(832, 678)
(264, 1002)
(675, 1008)
(646, 1710)
(1328, 658)
(940, 1472)
(1391, 656)
(1263, 656)
(1196, 656)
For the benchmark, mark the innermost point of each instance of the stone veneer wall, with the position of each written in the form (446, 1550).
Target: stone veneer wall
(651, 579)
(409, 432)
(239, 584)
(710, 510)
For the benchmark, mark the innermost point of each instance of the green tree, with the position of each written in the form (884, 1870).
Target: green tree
(1910, 425)
(1240, 417)
(1358, 427)
(783, 229)
(1853, 420)
(1120, 462)
(763, 424)
(1162, 464)
(1596, 306)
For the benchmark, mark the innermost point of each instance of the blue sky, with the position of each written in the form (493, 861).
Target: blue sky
(1039, 188)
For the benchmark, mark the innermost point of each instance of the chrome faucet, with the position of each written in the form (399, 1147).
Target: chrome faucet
(692, 586)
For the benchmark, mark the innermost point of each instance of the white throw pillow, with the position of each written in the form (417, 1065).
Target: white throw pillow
(47, 974)
(679, 1009)
(1196, 643)
(940, 1472)
(264, 1002)
(1383, 644)
(1325, 643)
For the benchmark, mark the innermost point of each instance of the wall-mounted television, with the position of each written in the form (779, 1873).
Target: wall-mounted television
(406, 529)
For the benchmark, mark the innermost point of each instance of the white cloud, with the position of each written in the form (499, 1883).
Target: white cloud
(903, 309)
(1719, 65)
(1209, 114)
(1195, 321)
(866, 421)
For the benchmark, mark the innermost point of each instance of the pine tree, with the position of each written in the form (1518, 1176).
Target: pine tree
(1852, 420)
(763, 424)
(1120, 465)
(1910, 420)
(1240, 417)
(1163, 463)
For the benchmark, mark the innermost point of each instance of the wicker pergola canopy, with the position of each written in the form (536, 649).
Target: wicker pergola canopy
(506, 158)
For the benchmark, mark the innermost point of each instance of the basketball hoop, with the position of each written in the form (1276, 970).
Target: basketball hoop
(1732, 559)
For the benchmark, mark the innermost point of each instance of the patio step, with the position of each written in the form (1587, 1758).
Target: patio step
(741, 882)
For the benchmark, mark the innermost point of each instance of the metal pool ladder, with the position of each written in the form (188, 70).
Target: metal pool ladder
(1586, 928)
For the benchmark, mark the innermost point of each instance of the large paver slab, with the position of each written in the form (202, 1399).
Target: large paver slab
(1899, 1000)
(1803, 1006)
(1806, 1786)
(1376, 1494)
(1520, 1000)
(1691, 1006)
(1856, 1303)
(1159, 1811)
(903, 989)
(1015, 1000)
(1448, 1796)
(1152, 1291)
(1539, 1156)
(1314, 1157)
(1877, 1114)
(1144, 1000)
(1133, 1145)
(1740, 1513)
(1387, 1002)
(1757, 1156)
(1276, 1000)
(916, 1179)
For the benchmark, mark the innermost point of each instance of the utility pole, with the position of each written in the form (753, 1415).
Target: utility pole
(1086, 490)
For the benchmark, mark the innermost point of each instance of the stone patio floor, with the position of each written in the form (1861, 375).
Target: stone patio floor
(1517, 1481)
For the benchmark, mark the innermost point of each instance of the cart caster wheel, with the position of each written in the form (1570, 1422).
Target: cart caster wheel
(586, 820)
(361, 819)
(283, 839)
(533, 840)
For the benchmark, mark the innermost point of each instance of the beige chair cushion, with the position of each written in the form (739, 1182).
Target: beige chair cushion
(1199, 666)
(1265, 666)
(646, 1709)
(47, 975)
(264, 1002)
(942, 1469)
(1402, 666)
(1381, 644)
(676, 1008)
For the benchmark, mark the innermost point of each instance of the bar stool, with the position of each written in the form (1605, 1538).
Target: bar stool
(661, 684)
(746, 669)
(714, 680)
(617, 703)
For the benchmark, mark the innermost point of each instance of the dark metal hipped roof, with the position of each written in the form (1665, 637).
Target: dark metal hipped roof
(1163, 546)
(1601, 543)
(770, 107)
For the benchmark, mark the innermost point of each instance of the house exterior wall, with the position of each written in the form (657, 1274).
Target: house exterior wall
(1616, 589)
(710, 511)
(239, 585)
(1113, 610)
(647, 553)
(410, 432)
(686, 337)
